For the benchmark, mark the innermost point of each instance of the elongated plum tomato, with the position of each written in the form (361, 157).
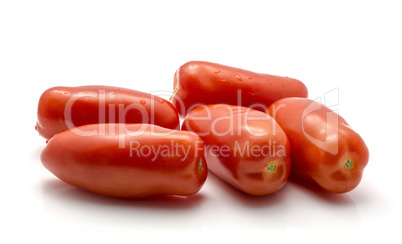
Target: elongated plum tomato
(61, 108)
(128, 160)
(198, 83)
(325, 149)
(244, 147)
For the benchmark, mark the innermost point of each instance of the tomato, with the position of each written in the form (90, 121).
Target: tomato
(325, 149)
(128, 160)
(244, 147)
(61, 108)
(198, 83)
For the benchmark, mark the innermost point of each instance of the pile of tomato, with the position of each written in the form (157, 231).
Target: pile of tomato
(252, 130)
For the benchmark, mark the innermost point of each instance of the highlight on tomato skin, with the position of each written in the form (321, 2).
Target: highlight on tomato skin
(325, 149)
(61, 108)
(198, 83)
(130, 161)
(244, 147)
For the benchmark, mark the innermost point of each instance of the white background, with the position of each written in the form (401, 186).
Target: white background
(353, 46)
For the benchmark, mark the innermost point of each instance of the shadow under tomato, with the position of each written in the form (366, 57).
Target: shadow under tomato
(317, 192)
(236, 209)
(64, 193)
(69, 207)
(228, 191)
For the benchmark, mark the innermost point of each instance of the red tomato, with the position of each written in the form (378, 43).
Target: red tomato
(128, 160)
(199, 83)
(61, 108)
(244, 147)
(325, 150)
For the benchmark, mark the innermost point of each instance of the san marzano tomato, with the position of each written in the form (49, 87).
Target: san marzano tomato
(198, 83)
(325, 149)
(61, 108)
(244, 147)
(128, 160)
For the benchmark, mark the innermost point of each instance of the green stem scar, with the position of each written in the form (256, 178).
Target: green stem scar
(271, 167)
(348, 163)
(200, 164)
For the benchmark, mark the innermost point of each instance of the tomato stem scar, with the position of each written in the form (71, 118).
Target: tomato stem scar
(200, 164)
(348, 163)
(271, 167)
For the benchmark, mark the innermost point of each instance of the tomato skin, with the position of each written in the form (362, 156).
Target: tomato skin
(325, 149)
(199, 83)
(109, 165)
(100, 104)
(226, 131)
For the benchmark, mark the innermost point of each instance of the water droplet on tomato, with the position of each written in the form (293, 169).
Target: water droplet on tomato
(238, 77)
(217, 72)
(142, 102)
(161, 101)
